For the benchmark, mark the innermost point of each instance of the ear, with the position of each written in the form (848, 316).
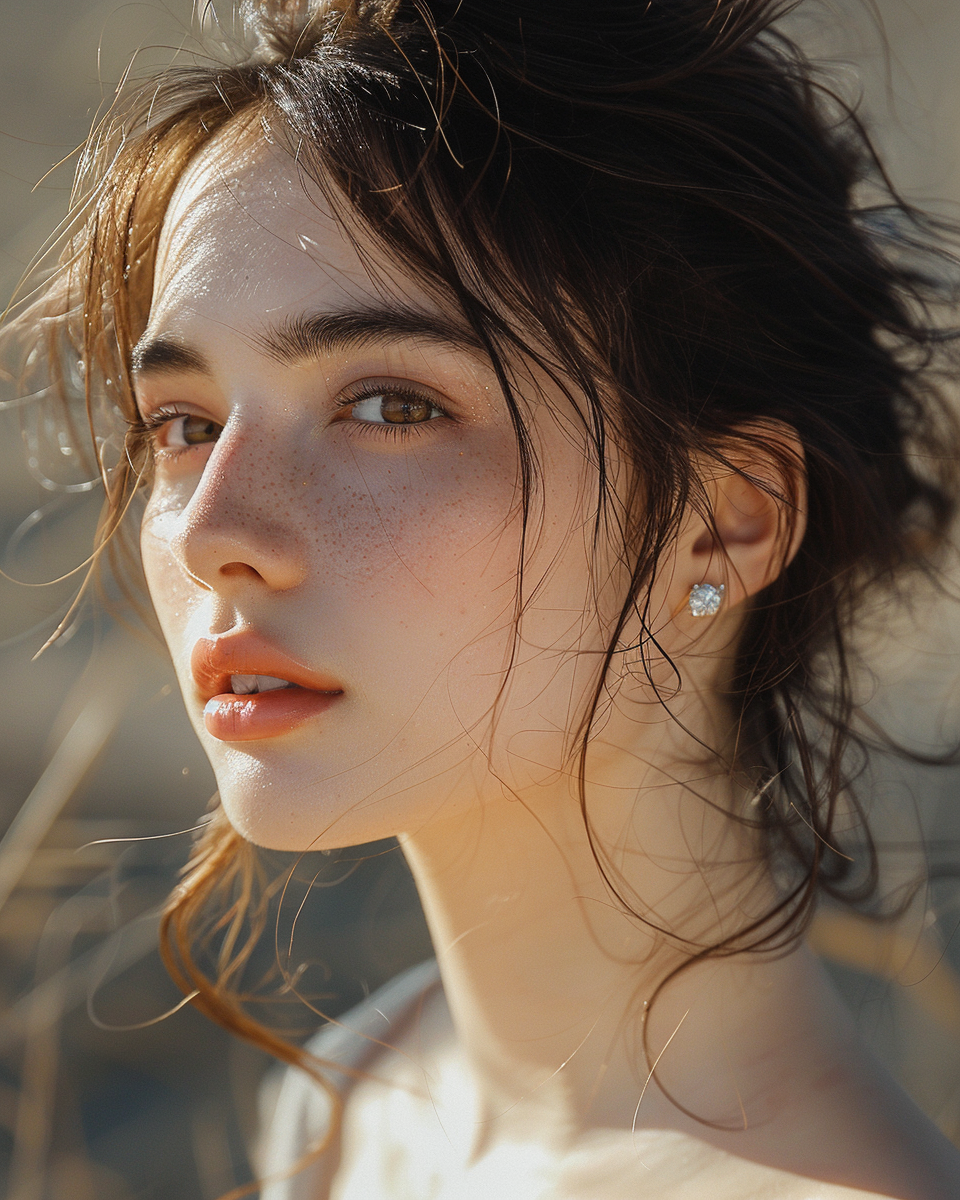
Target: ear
(754, 517)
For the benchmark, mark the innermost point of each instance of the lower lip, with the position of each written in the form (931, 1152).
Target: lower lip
(231, 718)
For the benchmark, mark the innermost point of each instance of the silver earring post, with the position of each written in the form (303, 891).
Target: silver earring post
(705, 599)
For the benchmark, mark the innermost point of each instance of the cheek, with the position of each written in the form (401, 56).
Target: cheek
(409, 526)
(172, 592)
(420, 589)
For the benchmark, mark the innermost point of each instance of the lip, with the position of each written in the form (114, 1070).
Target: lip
(245, 718)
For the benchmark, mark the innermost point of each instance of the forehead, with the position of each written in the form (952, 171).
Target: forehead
(246, 228)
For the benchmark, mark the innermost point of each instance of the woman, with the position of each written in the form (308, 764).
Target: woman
(528, 398)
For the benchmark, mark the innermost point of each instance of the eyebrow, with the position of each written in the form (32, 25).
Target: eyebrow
(162, 354)
(314, 335)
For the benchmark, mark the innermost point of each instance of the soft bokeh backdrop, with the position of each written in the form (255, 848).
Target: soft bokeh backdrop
(94, 743)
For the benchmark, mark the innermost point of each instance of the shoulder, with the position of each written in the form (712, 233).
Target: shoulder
(670, 1165)
(295, 1111)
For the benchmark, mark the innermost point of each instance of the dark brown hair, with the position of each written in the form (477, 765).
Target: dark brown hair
(658, 203)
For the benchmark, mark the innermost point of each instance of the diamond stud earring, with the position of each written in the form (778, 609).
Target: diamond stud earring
(705, 599)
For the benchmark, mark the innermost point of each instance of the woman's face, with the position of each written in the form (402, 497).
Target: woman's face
(336, 504)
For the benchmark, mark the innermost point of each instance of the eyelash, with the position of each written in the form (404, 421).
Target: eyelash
(369, 390)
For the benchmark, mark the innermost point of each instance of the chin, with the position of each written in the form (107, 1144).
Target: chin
(302, 810)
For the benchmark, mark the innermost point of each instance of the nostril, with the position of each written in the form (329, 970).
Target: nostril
(240, 569)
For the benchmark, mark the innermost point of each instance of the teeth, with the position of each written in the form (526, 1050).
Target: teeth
(246, 685)
(268, 683)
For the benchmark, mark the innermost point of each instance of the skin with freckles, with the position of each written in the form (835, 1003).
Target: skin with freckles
(384, 556)
(322, 532)
(336, 493)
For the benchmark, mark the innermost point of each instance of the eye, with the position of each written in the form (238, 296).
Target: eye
(180, 431)
(391, 406)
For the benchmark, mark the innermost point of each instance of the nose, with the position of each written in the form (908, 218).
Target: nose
(241, 524)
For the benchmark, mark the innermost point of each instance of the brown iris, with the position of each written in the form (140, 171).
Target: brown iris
(404, 410)
(197, 430)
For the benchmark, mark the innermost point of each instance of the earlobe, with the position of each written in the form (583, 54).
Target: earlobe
(756, 496)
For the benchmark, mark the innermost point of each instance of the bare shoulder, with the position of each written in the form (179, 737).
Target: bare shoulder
(667, 1165)
(415, 1110)
(409, 1127)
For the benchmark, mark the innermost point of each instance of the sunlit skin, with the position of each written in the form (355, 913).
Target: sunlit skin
(353, 503)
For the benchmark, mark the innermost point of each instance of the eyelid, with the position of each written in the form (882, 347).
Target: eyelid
(163, 414)
(158, 414)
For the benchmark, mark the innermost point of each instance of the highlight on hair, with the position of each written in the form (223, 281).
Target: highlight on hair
(658, 204)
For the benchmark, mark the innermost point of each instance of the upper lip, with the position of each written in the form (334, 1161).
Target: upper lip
(247, 652)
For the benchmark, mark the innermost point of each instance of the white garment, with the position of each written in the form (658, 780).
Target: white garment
(299, 1109)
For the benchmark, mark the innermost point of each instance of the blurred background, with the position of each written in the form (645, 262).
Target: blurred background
(100, 1100)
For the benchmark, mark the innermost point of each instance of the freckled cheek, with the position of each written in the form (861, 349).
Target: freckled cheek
(447, 529)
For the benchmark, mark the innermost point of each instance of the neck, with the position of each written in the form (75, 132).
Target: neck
(548, 977)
